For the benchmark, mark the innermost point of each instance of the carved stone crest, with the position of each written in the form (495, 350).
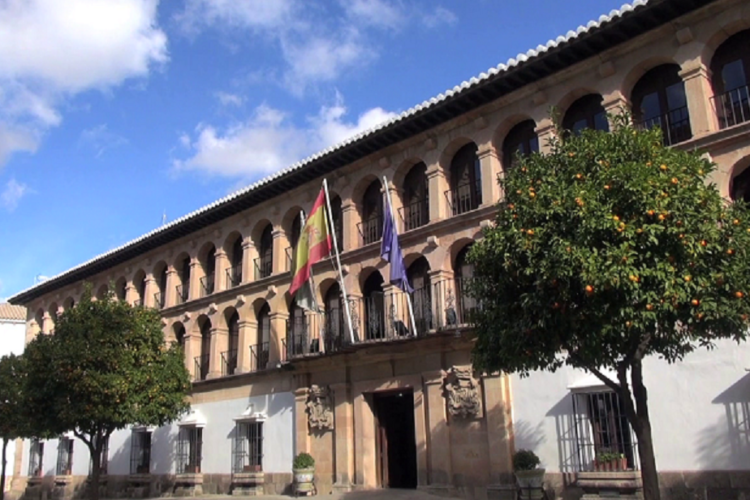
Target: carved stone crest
(461, 393)
(319, 408)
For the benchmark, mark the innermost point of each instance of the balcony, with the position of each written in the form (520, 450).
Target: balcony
(370, 230)
(464, 197)
(289, 260)
(263, 267)
(159, 300)
(229, 362)
(207, 285)
(315, 334)
(260, 355)
(675, 125)
(415, 214)
(201, 367)
(182, 293)
(733, 107)
(234, 276)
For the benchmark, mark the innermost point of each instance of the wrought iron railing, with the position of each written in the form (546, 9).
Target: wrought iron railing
(371, 230)
(260, 355)
(415, 214)
(201, 367)
(160, 300)
(234, 276)
(289, 257)
(674, 124)
(464, 197)
(263, 267)
(207, 285)
(733, 107)
(228, 362)
(182, 293)
(140, 452)
(189, 450)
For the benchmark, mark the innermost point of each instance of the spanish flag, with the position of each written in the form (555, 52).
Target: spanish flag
(313, 245)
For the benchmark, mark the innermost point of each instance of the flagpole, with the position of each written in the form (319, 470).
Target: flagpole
(332, 232)
(311, 284)
(393, 218)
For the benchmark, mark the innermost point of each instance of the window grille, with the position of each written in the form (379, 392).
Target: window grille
(140, 452)
(103, 460)
(247, 452)
(189, 450)
(605, 440)
(64, 456)
(36, 458)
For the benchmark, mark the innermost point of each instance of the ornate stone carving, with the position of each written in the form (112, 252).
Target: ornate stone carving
(461, 393)
(319, 408)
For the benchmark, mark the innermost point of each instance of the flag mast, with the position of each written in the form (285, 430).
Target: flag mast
(311, 284)
(393, 218)
(332, 232)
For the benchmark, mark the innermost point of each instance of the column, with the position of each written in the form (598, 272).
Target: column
(545, 131)
(195, 279)
(278, 336)
(192, 349)
(220, 270)
(219, 344)
(130, 293)
(489, 165)
(349, 220)
(47, 323)
(248, 255)
(499, 428)
(149, 290)
(698, 91)
(615, 104)
(441, 285)
(170, 294)
(248, 337)
(279, 245)
(344, 437)
(437, 185)
(439, 451)
(302, 439)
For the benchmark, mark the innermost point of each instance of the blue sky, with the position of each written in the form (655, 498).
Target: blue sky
(114, 112)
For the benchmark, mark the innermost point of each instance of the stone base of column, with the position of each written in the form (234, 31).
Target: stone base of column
(342, 487)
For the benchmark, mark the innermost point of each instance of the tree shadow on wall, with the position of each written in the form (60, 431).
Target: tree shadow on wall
(726, 444)
(568, 450)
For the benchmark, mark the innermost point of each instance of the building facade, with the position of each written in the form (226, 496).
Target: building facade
(395, 404)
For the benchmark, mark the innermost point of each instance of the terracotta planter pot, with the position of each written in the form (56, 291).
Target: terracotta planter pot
(303, 480)
(530, 484)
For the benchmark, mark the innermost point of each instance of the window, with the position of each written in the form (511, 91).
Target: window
(416, 209)
(140, 288)
(189, 450)
(183, 272)
(659, 101)
(298, 338)
(160, 297)
(140, 452)
(120, 289)
(338, 221)
(741, 186)
(234, 273)
(179, 335)
(520, 141)
(247, 452)
(103, 460)
(463, 271)
(730, 68)
(418, 275)
(209, 270)
(586, 112)
(36, 458)
(202, 362)
(604, 438)
(465, 180)
(229, 358)
(371, 227)
(64, 456)
(260, 353)
(334, 319)
(374, 307)
(264, 263)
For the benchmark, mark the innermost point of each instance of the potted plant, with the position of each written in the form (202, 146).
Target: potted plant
(303, 468)
(529, 476)
(608, 461)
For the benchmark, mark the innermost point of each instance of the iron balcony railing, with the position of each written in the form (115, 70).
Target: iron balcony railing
(733, 107)
(234, 276)
(371, 230)
(159, 300)
(263, 267)
(140, 452)
(229, 362)
(464, 197)
(207, 285)
(201, 367)
(315, 334)
(674, 124)
(260, 355)
(182, 293)
(289, 254)
(415, 214)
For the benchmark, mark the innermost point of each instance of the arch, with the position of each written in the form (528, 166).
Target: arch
(291, 223)
(659, 100)
(586, 112)
(52, 311)
(717, 39)
(640, 68)
(203, 360)
(264, 261)
(374, 306)
(358, 192)
(160, 276)
(739, 183)
(39, 319)
(233, 246)
(178, 330)
(403, 168)
(447, 154)
(465, 180)
(102, 291)
(182, 265)
(371, 212)
(522, 139)
(69, 303)
(139, 283)
(730, 70)
(121, 287)
(415, 197)
(207, 262)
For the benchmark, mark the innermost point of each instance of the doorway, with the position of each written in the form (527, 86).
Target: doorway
(396, 444)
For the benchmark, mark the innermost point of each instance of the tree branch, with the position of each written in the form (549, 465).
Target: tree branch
(601, 376)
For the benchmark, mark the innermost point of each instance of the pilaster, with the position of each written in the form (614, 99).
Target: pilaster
(437, 185)
(349, 221)
(219, 344)
(149, 290)
(344, 437)
(248, 331)
(279, 245)
(545, 131)
(196, 273)
(220, 270)
(249, 253)
(170, 297)
(489, 165)
(698, 91)
(499, 428)
(192, 349)
(278, 334)
(439, 451)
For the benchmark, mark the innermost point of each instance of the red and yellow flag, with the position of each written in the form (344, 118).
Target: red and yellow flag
(314, 244)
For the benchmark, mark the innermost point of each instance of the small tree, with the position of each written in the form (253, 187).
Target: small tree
(11, 408)
(106, 366)
(608, 249)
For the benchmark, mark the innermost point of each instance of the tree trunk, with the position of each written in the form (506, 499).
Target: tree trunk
(642, 427)
(2, 471)
(96, 455)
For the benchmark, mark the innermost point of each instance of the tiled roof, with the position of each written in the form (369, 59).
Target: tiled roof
(11, 312)
(178, 227)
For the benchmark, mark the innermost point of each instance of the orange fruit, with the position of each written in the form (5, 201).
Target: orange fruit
(579, 176)
(532, 194)
(606, 186)
(730, 252)
(704, 243)
(663, 167)
(650, 212)
(615, 217)
(695, 302)
(688, 278)
(589, 289)
(649, 307)
(661, 217)
(674, 180)
(739, 295)
(628, 324)
(736, 221)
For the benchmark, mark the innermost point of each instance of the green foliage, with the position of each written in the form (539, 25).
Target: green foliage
(605, 455)
(106, 366)
(303, 461)
(525, 460)
(609, 248)
(12, 420)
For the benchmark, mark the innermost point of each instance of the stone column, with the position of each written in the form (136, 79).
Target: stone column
(220, 270)
(279, 245)
(130, 293)
(248, 337)
(439, 451)
(344, 437)
(614, 103)
(249, 253)
(437, 185)
(302, 439)
(499, 428)
(545, 130)
(349, 220)
(195, 279)
(192, 349)
(441, 284)
(219, 344)
(698, 91)
(278, 335)
(48, 324)
(170, 293)
(149, 290)
(490, 167)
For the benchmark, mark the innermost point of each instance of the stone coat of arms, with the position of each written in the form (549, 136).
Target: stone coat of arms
(461, 393)
(319, 408)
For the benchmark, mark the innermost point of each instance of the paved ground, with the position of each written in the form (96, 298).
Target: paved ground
(354, 495)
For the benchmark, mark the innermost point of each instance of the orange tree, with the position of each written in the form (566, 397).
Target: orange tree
(608, 249)
(105, 367)
(12, 420)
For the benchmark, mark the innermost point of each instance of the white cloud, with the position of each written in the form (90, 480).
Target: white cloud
(12, 194)
(380, 13)
(51, 50)
(101, 139)
(228, 99)
(439, 17)
(254, 14)
(268, 141)
(13, 139)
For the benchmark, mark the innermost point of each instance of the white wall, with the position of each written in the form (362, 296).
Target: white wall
(278, 440)
(12, 335)
(700, 411)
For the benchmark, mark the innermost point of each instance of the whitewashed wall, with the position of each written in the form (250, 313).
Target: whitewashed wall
(700, 411)
(12, 334)
(278, 440)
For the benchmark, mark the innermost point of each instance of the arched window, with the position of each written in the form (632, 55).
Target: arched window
(102, 292)
(202, 362)
(463, 272)
(334, 319)
(338, 221)
(371, 227)
(160, 297)
(730, 68)
(586, 112)
(140, 288)
(179, 335)
(121, 289)
(465, 180)
(416, 209)
(209, 270)
(264, 263)
(418, 275)
(741, 186)
(520, 141)
(229, 358)
(183, 273)
(234, 273)
(69, 303)
(39, 319)
(374, 307)
(298, 341)
(261, 351)
(659, 101)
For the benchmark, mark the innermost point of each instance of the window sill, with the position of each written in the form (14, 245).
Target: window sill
(63, 479)
(630, 479)
(139, 478)
(248, 477)
(189, 478)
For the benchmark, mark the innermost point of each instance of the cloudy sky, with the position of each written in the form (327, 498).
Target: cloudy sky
(116, 112)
